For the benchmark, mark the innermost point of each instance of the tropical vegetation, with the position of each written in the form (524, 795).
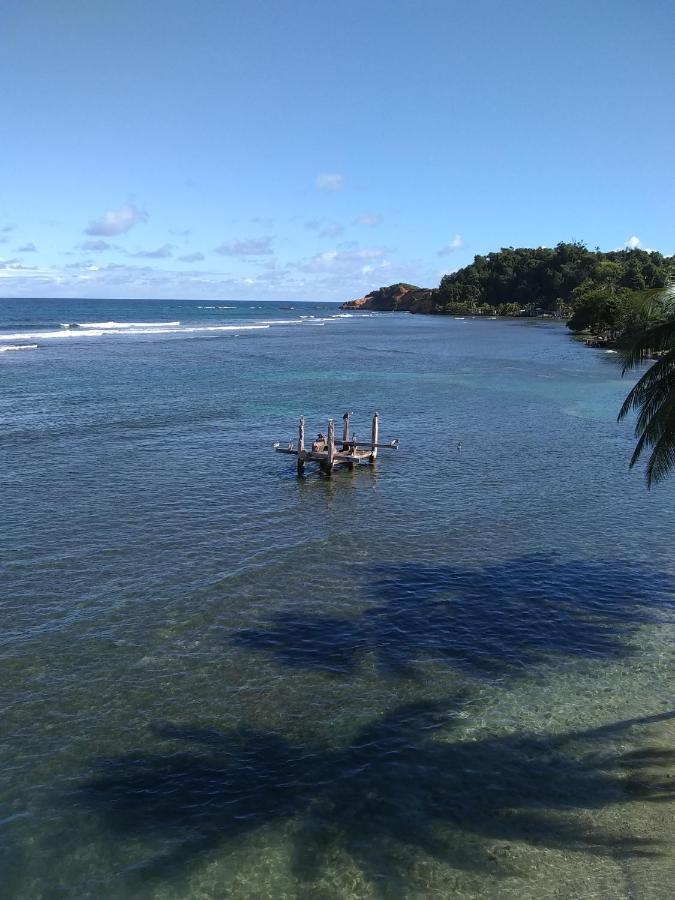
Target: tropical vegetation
(591, 288)
(618, 298)
(604, 293)
(653, 397)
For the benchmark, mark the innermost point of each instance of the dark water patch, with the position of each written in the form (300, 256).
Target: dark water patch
(385, 350)
(112, 431)
(309, 641)
(488, 621)
(405, 783)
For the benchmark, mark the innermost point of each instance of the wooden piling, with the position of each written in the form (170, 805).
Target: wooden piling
(375, 433)
(301, 446)
(328, 455)
(327, 464)
(345, 430)
(331, 445)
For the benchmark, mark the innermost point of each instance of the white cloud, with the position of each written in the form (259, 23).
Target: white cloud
(455, 244)
(116, 221)
(27, 248)
(634, 243)
(342, 272)
(330, 181)
(343, 260)
(368, 219)
(246, 247)
(12, 268)
(191, 257)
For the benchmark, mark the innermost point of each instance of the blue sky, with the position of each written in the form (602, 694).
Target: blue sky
(310, 150)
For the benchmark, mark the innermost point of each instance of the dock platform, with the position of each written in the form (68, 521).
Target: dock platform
(329, 453)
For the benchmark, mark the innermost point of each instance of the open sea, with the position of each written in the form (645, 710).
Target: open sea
(446, 676)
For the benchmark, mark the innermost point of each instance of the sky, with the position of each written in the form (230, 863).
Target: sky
(307, 150)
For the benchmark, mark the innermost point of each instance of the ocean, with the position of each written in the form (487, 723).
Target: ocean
(447, 675)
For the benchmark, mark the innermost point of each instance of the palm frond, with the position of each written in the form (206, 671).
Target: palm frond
(653, 386)
(662, 460)
(655, 430)
(635, 349)
(653, 397)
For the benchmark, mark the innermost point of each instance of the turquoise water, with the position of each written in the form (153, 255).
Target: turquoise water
(447, 676)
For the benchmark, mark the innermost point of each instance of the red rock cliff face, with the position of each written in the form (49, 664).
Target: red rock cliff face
(395, 298)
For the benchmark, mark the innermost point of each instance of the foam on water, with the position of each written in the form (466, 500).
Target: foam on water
(118, 325)
(105, 332)
(4, 348)
(112, 328)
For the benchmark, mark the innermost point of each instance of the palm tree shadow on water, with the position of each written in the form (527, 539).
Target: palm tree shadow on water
(404, 788)
(494, 620)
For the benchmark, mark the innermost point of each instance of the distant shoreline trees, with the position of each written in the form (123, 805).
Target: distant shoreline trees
(605, 293)
(594, 290)
(622, 297)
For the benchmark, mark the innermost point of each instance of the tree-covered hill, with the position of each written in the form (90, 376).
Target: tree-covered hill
(554, 280)
(603, 292)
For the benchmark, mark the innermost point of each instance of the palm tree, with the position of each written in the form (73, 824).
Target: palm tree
(653, 396)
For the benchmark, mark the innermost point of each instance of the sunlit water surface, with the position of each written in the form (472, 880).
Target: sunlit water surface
(447, 676)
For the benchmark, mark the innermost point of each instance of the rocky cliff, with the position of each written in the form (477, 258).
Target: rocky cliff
(395, 298)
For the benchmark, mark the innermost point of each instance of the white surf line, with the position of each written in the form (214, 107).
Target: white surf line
(5, 349)
(109, 325)
(74, 333)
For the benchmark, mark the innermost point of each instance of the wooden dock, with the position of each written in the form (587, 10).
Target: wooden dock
(329, 453)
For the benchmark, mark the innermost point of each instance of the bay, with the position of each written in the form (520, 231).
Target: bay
(448, 675)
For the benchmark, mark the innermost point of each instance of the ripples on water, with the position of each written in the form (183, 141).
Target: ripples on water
(449, 676)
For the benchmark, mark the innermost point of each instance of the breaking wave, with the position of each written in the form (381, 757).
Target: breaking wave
(5, 347)
(108, 325)
(83, 332)
(113, 328)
